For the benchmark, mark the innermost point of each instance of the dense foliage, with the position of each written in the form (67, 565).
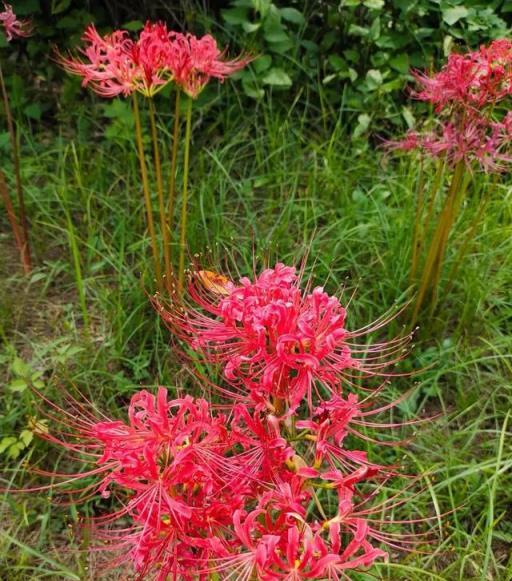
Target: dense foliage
(353, 55)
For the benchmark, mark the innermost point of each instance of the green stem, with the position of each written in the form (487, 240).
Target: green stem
(145, 187)
(423, 232)
(461, 255)
(25, 254)
(160, 190)
(452, 216)
(435, 245)
(174, 157)
(417, 228)
(184, 198)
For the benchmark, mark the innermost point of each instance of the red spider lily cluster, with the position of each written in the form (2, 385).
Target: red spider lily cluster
(265, 485)
(467, 95)
(115, 64)
(13, 27)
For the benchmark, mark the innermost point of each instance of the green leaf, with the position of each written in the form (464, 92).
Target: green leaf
(20, 368)
(252, 90)
(277, 78)
(275, 33)
(374, 4)
(400, 63)
(363, 123)
(292, 15)
(337, 62)
(59, 6)
(6, 443)
(15, 450)
(235, 16)
(134, 25)
(453, 15)
(18, 385)
(33, 111)
(37, 276)
(26, 437)
(356, 30)
(250, 27)
(262, 63)
(408, 117)
(374, 79)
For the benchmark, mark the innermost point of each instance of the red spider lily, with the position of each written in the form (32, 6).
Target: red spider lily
(13, 27)
(274, 341)
(231, 491)
(194, 61)
(474, 79)
(115, 65)
(474, 141)
(203, 493)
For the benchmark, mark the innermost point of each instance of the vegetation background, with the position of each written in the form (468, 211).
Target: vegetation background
(286, 160)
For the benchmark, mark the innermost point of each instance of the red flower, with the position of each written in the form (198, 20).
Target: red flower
(474, 79)
(13, 27)
(465, 94)
(274, 341)
(193, 61)
(116, 65)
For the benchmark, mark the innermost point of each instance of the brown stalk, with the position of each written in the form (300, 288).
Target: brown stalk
(25, 248)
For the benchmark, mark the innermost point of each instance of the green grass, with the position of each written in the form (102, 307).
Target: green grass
(274, 184)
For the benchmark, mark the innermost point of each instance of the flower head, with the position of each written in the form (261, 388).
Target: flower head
(13, 27)
(465, 93)
(274, 341)
(193, 61)
(475, 79)
(115, 64)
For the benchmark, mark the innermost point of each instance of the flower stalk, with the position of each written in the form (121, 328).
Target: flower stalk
(184, 196)
(146, 191)
(164, 225)
(23, 243)
(174, 157)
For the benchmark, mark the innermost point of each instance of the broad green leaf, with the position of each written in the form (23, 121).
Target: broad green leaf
(374, 4)
(337, 62)
(18, 385)
(252, 90)
(453, 15)
(356, 30)
(262, 63)
(6, 443)
(374, 79)
(26, 437)
(400, 63)
(363, 123)
(33, 111)
(292, 15)
(235, 16)
(251, 27)
(59, 6)
(277, 78)
(408, 117)
(20, 368)
(447, 45)
(134, 25)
